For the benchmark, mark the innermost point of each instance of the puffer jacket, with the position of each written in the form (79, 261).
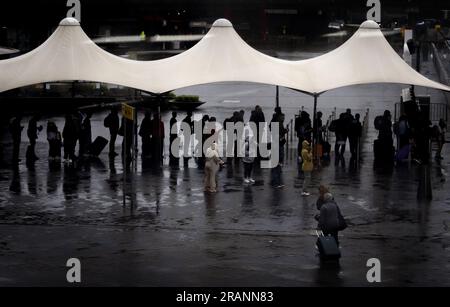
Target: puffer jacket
(329, 217)
(307, 158)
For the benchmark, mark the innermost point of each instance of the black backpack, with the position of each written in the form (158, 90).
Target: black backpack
(378, 123)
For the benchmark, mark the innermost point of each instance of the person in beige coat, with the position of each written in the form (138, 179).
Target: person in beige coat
(307, 166)
(212, 166)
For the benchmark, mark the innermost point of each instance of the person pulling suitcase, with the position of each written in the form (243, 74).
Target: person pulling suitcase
(330, 222)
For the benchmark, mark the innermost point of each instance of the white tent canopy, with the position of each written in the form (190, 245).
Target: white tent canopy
(221, 55)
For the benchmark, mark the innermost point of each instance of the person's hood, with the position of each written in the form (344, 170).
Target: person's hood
(211, 152)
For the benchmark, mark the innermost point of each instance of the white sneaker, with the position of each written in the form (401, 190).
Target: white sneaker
(246, 180)
(305, 194)
(252, 180)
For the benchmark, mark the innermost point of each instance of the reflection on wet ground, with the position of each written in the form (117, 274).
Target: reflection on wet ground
(240, 229)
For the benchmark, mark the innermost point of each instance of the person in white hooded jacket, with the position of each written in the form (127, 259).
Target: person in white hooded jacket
(212, 166)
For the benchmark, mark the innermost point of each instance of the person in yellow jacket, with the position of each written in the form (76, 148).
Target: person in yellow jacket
(307, 166)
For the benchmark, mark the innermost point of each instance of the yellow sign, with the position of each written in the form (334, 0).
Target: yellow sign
(127, 111)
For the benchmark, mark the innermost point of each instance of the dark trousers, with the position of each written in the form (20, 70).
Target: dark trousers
(248, 167)
(112, 142)
(85, 145)
(146, 146)
(157, 150)
(173, 161)
(54, 148)
(69, 149)
(16, 150)
(353, 146)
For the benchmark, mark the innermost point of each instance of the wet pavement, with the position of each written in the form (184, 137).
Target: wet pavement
(170, 233)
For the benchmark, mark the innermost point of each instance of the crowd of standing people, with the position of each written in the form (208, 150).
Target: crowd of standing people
(413, 133)
(77, 130)
(347, 128)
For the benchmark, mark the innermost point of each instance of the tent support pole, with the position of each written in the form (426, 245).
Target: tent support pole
(277, 98)
(314, 138)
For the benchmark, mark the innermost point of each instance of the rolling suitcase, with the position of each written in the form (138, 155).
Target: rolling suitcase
(328, 248)
(97, 146)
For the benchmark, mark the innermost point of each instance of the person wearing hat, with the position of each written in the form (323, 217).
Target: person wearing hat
(307, 166)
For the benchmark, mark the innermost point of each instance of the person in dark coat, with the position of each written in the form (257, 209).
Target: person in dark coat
(298, 127)
(303, 128)
(188, 121)
(126, 131)
(145, 132)
(112, 122)
(354, 135)
(384, 127)
(341, 137)
(70, 138)
(233, 119)
(201, 143)
(384, 150)
(241, 116)
(239, 120)
(157, 139)
(330, 218)
(32, 133)
(15, 128)
(318, 128)
(403, 131)
(348, 117)
(173, 126)
(257, 117)
(276, 180)
(54, 142)
(85, 135)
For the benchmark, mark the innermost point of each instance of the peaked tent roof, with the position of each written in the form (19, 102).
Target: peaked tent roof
(221, 55)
